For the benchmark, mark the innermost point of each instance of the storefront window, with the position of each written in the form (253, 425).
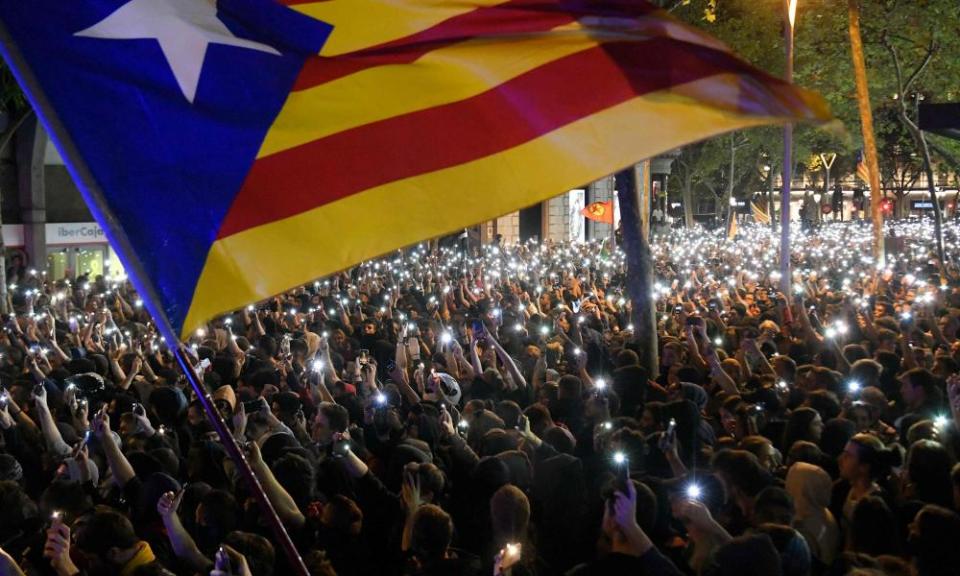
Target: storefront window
(90, 261)
(58, 264)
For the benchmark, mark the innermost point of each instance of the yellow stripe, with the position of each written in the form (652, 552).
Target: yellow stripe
(263, 261)
(444, 76)
(359, 24)
(440, 77)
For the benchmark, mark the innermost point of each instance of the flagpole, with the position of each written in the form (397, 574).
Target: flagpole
(786, 278)
(94, 198)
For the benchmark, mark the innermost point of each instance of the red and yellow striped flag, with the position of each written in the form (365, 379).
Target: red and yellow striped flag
(863, 172)
(324, 133)
(759, 215)
(425, 116)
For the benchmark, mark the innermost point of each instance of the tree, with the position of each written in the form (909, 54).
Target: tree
(905, 80)
(900, 166)
(754, 30)
(692, 172)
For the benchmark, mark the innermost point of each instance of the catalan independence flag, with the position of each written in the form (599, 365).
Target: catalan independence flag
(234, 149)
(863, 172)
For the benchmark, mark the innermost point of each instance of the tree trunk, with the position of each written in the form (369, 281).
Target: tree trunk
(899, 205)
(688, 203)
(866, 126)
(937, 214)
(917, 134)
(639, 272)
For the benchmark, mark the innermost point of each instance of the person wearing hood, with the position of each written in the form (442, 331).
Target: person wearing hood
(810, 486)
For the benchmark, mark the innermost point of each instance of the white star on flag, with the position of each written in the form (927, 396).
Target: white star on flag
(183, 28)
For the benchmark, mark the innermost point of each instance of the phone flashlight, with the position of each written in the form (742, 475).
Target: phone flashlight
(694, 492)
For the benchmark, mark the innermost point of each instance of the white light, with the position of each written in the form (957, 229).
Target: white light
(250, 308)
(600, 383)
(718, 341)
(446, 338)
(201, 333)
(630, 327)
(138, 303)
(381, 398)
(576, 351)
(619, 458)
(518, 327)
(854, 386)
(544, 330)
(830, 332)
(608, 425)
(694, 492)
(317, 366)
(941, 422)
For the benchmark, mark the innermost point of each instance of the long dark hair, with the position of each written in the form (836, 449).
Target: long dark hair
(874, 529)
(798, 427)
(928, 469)
(872, 452)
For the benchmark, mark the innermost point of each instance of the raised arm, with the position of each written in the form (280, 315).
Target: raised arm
(184, 547)
(282, 502)
(119, 465)
(51, 434)
(508, 362)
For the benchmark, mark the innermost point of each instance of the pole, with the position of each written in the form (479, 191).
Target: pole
(639, 272)
(96, 201)
(828, 160)
(293, 556)
(786, 278)
(866, 127)
(771, 209)
(613, 217)
(6, 139)
(641, 175)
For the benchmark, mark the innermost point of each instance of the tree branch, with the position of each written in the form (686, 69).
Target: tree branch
(931, 50)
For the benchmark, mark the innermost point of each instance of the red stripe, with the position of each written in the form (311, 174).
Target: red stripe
(510, 18)
(509, 114)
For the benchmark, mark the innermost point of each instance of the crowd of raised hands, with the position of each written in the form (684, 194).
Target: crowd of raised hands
(488, 410)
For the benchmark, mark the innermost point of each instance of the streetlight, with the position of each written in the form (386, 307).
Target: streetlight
(785, 276)
(828, 160)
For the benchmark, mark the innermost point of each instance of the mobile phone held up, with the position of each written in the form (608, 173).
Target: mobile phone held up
(476, 325)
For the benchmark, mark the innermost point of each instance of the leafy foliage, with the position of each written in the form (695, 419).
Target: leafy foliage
(754, 29)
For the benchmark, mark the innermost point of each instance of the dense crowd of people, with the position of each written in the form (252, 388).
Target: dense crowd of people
(485, 411)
